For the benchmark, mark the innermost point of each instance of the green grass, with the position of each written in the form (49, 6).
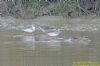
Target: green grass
(33, 8)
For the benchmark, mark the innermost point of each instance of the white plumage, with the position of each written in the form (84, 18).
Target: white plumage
(29, 28)
(51, 31)
(53, 34)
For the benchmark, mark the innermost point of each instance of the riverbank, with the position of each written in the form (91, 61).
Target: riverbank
(73, 24)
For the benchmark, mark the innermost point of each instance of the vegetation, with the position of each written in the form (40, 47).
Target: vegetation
(34, 8)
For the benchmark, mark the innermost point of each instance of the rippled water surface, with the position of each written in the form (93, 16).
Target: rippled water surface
(20, 49)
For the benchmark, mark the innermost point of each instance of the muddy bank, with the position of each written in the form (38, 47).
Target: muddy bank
(73, 24)
(7, 22)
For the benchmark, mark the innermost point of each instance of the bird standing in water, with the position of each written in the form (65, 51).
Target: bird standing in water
(29, 28)
(81, 40)
(50, 31)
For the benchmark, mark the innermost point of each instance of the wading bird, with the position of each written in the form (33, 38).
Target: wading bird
(50, 31)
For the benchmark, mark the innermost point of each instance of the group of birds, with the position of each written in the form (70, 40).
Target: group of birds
(52, 32)
(48, 30)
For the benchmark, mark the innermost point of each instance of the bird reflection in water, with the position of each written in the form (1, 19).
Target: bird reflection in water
(79, 40)
(54, 45)
(27, 41)
(51, 44)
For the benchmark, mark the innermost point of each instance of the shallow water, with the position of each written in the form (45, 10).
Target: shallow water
(20, 49)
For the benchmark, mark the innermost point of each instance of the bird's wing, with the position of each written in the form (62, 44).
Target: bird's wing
(27, 30)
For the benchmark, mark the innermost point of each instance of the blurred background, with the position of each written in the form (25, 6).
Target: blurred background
(78, 41)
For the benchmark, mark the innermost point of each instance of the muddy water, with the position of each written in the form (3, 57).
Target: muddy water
(20, 49)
